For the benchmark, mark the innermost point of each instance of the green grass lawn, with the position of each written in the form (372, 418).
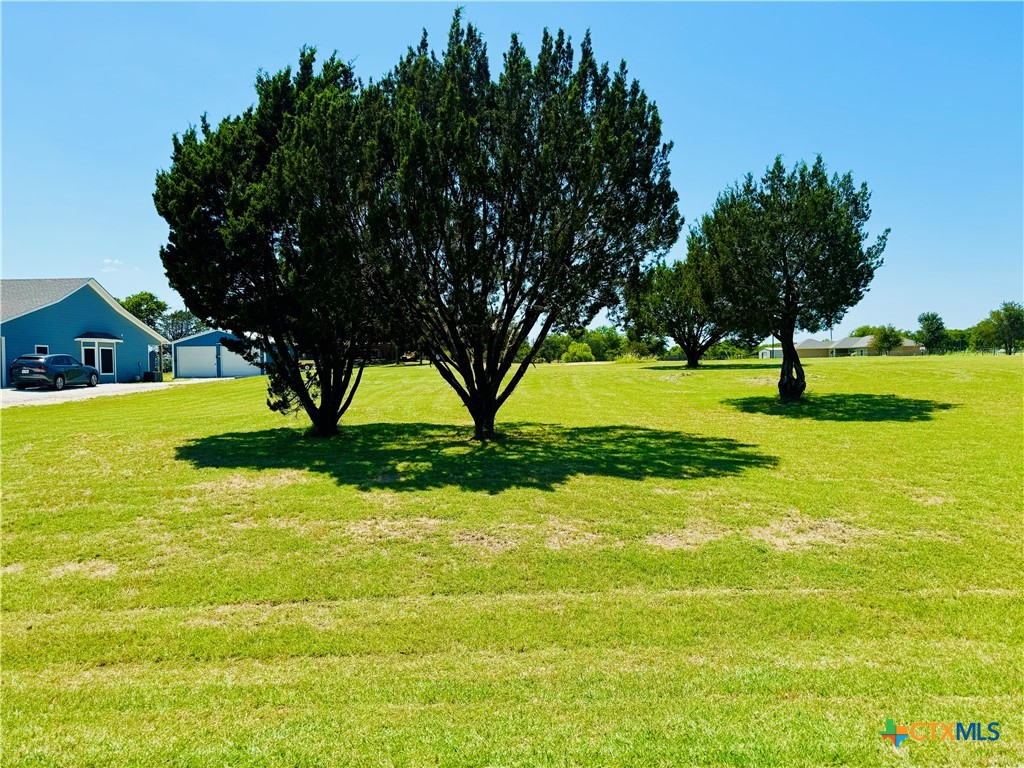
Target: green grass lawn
(654, 566)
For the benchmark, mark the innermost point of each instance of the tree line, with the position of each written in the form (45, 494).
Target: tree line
(1003, 328)
(472, 216)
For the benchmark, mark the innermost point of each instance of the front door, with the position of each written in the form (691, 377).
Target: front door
(106, 361)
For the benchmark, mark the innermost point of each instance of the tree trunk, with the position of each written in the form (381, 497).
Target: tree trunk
(791, 380)
(325, 424)
(483, 409)
(692, 358)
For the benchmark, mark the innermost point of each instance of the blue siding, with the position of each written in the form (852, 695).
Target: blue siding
(58, 325)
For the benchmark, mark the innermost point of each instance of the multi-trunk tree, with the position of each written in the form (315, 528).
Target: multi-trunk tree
(267, 212)
(796, 254)
(513, 206)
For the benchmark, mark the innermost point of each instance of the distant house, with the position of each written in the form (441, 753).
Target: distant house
(814, 348)
(770, 352)
(77, 317)
(861, 345)
(204, 356)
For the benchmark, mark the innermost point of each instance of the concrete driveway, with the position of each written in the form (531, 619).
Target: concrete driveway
(11, 397)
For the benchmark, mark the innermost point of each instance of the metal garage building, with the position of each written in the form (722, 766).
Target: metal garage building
(203, 356)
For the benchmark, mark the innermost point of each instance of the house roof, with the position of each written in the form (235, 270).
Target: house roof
(814, 344)
(97, 336)
(20, 297)
(863, 342)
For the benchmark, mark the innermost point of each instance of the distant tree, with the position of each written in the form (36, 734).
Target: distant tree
(866, 330)
(266, 214)
(517, 206)
(553, 347)
(957, 339)
(932, 333)
(795, 252)
(578, 353)
(605, 342)
(145, 306)
(1009, 325)
(984, 335)
(179, 324)
(886, 340)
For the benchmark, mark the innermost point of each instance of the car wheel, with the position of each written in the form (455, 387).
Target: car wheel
(93, 379)
(58, 383)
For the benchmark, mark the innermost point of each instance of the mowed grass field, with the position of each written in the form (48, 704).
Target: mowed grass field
(655, 566)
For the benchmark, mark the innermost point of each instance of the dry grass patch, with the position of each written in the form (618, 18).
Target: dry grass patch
(493, 544)
(91, 569)
(797, 531)
(13, 568)
(687, 538)
(383, 529)
(241, 482)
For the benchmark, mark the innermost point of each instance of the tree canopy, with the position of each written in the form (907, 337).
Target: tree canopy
(145, 306)
(266, 214)
(796, 253)
(1008, 325)
(886, 340)
(179, 324)
(932, 332)
(513, 206)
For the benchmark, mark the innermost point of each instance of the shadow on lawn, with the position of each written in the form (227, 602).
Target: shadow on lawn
(844, 407)
(414, 457)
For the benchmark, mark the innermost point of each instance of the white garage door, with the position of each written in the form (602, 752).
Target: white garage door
(196, 362)
(236, 365)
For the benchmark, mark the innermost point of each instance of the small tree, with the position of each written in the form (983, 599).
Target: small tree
(1009, 325)
(517, 206)
(147, 307)
(866, 330)
(932, 333)
(984, 335)
(578, 353)
(179, 324)
(886, 340)
(796, 253)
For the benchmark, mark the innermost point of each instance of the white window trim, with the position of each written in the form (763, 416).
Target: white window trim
(89, 345)
(37, 347)
(113, 360)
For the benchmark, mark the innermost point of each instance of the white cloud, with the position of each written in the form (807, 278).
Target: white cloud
(110, 265)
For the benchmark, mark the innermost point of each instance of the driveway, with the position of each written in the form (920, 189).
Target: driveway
(11, 397)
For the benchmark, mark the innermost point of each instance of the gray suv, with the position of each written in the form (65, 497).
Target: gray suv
(55, 371)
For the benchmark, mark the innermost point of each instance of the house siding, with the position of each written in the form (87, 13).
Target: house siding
(58, 325)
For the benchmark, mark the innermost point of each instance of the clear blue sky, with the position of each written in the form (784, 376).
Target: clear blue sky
(925, 102)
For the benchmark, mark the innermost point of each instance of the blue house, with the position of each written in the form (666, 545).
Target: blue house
(77, 317)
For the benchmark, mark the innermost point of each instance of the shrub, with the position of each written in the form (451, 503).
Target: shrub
(578, 353)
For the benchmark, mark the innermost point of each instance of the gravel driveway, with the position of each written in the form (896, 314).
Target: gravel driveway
(11, 397)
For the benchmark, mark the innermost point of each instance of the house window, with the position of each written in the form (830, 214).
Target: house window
(89, 356)
(106, 360)
(42, 349)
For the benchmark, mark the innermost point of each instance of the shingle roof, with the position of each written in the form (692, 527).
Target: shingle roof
(853, 342)
(814, 344)
(18, 297)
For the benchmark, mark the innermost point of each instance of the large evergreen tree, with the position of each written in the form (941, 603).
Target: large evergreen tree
(514, 206)
(797, 254)
(267, 233)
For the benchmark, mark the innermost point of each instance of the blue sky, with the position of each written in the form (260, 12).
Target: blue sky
(923, 101)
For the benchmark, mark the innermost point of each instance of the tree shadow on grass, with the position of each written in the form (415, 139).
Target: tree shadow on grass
(712, 366)
(416, 457)
(837, 407)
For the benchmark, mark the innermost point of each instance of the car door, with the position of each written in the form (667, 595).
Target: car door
(75, 371)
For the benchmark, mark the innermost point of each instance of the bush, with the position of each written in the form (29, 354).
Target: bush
(578, 353)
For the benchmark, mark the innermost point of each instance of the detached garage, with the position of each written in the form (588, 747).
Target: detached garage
(203, 356)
